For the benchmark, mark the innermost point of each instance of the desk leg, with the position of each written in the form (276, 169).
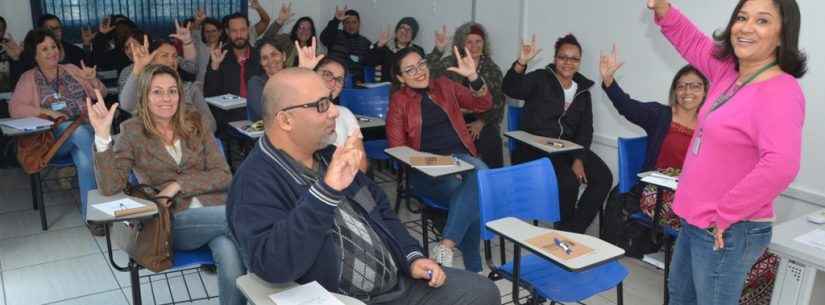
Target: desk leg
(794, 282)
(37, 197)
(134, 276)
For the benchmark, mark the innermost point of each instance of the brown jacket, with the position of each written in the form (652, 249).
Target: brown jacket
(203, 171)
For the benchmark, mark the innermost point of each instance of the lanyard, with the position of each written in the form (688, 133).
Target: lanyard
(723, 99)
(56, 85)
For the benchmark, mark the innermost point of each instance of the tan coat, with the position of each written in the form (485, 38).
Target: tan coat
(203, 171)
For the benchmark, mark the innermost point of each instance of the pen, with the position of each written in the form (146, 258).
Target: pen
(564, 246)
(456, 160)
(429, 274)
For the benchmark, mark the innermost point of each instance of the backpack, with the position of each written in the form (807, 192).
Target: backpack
(618, 229)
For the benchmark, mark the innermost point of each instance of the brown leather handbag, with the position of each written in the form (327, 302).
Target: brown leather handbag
(147, 241)
(36, 150)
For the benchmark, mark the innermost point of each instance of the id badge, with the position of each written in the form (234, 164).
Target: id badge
(57, 106)
(355, 58)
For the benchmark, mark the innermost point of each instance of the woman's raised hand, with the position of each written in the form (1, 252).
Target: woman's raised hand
(466, 65)
(217, 55)
(529, 50)
(182, 33)
(659, 6)
(141, 56)
(608, 65)
(99, 117)
(306, 55)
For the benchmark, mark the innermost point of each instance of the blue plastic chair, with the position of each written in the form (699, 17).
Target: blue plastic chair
(529, 191)
(374, 102)
(632, 155)
(369, 74)
(513, 120)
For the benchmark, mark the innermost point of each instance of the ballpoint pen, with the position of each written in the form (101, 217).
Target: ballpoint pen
(564, 246)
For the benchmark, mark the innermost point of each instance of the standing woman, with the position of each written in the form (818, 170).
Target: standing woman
(483, 127)
(168, 147)
(57, 90)
(557, 105)
(746, 149)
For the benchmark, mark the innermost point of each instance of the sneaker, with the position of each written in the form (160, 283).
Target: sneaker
(96, 229)
(442, 255)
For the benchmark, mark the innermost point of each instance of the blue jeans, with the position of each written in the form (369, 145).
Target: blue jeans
(79, 145)
(195, 228)
(699, 275)
(460, 193)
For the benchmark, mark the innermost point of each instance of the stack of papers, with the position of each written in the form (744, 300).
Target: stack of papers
(30, 123)
(307, 294)
(657, 178)
(120, 207)
(226, 101)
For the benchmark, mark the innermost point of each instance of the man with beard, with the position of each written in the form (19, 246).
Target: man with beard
(231, 66)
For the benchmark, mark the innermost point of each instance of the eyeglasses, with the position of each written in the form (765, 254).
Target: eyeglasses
(321, 105)
(415, 69)
(328, 76)
(574, 60)
(694, 86)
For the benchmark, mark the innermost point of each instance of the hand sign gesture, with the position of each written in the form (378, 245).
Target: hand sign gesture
(105, 26)
(384, 37)
(340, 14)
(217, 55)
(466, 65)
(529, 50)
(608, 65)
(306, 55)
(87, 35)
(141, 56)
(12, 47)
(344, 165)
(87, 73)
(441, 38)
(285, 13)
(182, 33)
(658, 6)
(99, 117)
(255, 4)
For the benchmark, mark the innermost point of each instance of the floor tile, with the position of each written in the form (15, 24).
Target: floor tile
(18, 224)
(57, 281)
(114, 297)
(52, 245)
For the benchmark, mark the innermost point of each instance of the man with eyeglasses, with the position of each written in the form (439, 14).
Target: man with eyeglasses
(347, 44)
(557, 104)
(302, 211)
(70, 53)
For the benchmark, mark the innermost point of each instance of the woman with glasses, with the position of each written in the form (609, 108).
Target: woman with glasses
(333, 71)
(668, 127)
(557, 105)
(426, 114)
(273, 53)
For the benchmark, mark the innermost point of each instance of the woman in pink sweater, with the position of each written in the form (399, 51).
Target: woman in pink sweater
(746, 148)
(55, 90)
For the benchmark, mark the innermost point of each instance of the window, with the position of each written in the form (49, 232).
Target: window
(154, 16)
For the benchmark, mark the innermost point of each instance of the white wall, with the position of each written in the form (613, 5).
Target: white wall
(18, 18)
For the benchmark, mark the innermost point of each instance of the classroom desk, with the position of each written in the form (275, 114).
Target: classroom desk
(519, 232)
(257, 291)
(14, 132)
(5, 95)
(227, 101)
(35, 178)
(799, 264)
(403, 154)
(650, 178)
(541, 143)
(366, 122)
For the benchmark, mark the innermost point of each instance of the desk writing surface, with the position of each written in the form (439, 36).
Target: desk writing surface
(369, 122)
(541, 142)
(95, 215)
(227, 101)
(13, 132)
(403, 154)
(521, 231)
(240, 126)
(653, 177)
(5, 95)
(257, 290)
(783, 243)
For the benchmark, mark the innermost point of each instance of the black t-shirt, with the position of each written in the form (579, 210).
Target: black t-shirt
(437, 133)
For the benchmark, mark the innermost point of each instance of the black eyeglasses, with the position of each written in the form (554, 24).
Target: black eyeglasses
(328, 76)
(574, 60)
(321, 105)
(412, 70)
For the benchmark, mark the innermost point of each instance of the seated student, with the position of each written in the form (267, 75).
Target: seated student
(272, 52)
(302, 211)
(557, 105)
(5, 59)
(347, 44)
(135, 38)
(230, 74)
(58, 90)
(302, 32)
(69, 54)
(425, 114)
(168, 148)
(669, 128)
(383, 51)
(207, 33)
(333, 72)
(187, 62)
(163, 53)
(483, 127)
(109, 44)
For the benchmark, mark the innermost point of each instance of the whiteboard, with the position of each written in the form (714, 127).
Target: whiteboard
(651, 62)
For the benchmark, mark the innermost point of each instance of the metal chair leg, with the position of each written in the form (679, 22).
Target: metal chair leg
(34, 184)
(37, 193)
(134, 277)
(668, 257)
(619, 294)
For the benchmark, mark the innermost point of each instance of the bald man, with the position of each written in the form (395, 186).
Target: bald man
(302, 211)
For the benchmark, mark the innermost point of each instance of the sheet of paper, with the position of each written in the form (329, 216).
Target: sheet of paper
(307, 294)
(815, 238)
(31, 123)
(120, 204)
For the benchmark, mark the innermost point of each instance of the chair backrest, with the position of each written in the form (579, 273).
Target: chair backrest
(632, 155)
(513, 119)
(527, 191)
(369, 74)
(372, 102)
(348, 83)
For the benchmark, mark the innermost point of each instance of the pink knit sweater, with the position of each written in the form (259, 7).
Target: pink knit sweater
(750, 150)
(25, 101)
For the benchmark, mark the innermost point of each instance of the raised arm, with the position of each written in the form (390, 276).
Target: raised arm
(112, 166)
(477, 98)
(638, 113)
(330, 32)
(516, 83)
(696, 47)
(263, 23)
